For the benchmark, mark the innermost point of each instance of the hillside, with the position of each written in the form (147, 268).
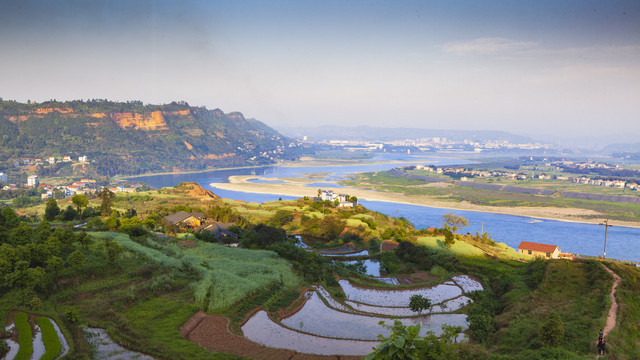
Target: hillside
(132, 138)
(148, 289)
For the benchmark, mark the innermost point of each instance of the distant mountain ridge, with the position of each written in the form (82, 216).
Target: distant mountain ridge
(369, 133)
(131, 138)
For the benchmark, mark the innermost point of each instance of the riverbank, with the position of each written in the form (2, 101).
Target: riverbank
(296, 187)
(302, 162)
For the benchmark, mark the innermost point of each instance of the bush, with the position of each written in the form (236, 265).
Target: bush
(552, 332)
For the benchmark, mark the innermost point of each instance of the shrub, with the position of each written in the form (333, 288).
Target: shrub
(552, 332)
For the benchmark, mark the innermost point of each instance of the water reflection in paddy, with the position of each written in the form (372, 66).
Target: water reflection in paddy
(316, 318)
(372, 267)
(400, 297)
(349, 254)
(447, 306)
(261, 329)
(467, 283)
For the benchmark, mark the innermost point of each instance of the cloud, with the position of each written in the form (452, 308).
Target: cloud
(490, 46)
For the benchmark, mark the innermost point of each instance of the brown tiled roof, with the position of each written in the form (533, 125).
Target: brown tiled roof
(388, 245)
(545, 248)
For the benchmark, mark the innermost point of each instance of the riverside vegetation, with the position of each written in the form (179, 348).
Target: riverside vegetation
(141, 279)
(444, 191)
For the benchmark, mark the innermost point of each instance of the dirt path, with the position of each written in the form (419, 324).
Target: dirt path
(613, 310)
(211, 332)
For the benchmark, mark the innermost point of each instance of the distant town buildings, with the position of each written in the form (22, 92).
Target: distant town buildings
(343, 200)
(32, 181)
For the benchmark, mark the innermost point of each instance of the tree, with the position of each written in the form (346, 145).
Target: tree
(77, 259)
(281, 218)
(9, 219)
(454, 222)
(449, 238)
(51, 210)
(107, 197)
(21, 235)
(113, 250)
(331, 226)
(80, 201)
(69, 214)
(54, 265)
(417, 303)
(84, 239)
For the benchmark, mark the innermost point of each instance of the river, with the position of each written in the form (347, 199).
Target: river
(579, 238)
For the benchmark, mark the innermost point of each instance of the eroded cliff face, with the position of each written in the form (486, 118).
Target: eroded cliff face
(152, 121)
(50, 110)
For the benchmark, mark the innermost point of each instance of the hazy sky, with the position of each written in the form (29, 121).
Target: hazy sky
(528, 67)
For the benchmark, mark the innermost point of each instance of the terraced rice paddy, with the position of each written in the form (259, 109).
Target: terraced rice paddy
(326, 326)
(400, 297)
(45, 342)
(106, 349)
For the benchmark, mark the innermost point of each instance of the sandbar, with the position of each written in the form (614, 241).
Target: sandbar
(298, 189)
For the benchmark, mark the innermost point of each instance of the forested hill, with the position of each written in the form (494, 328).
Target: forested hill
(132, 138)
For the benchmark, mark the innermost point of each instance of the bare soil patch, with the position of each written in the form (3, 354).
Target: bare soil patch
(211, 332)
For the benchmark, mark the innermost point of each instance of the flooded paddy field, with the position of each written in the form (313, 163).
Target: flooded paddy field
(328, 326)
(261, 329)
(106, 349)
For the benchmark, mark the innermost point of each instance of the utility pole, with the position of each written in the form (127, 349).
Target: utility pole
(482, 228)
(606, 227)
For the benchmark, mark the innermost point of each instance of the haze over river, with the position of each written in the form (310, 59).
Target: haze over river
(579, 238)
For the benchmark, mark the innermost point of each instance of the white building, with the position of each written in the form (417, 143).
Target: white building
(82, 159)
(3, 178)
(52, 160)
(33, 180)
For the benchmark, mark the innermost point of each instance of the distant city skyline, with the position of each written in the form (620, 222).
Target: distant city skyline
(569, 68)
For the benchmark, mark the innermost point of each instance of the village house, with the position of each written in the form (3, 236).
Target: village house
(3, 177)
(221, 232)
(539, 250)
(343, 199)
(181, 218)
(32, 181)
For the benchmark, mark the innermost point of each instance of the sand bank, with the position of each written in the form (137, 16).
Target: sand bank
(297, 189)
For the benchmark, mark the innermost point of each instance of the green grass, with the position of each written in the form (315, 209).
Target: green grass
(25, 337)
(52, 344)
(623, 340)
(225, 275)
(577, 292)
(228, 275)
(458, 248)
(383, 181)
(154, 325)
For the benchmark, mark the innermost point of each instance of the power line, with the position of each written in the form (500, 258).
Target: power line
(606, 227)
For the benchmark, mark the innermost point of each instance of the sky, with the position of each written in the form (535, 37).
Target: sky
(560, 67)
